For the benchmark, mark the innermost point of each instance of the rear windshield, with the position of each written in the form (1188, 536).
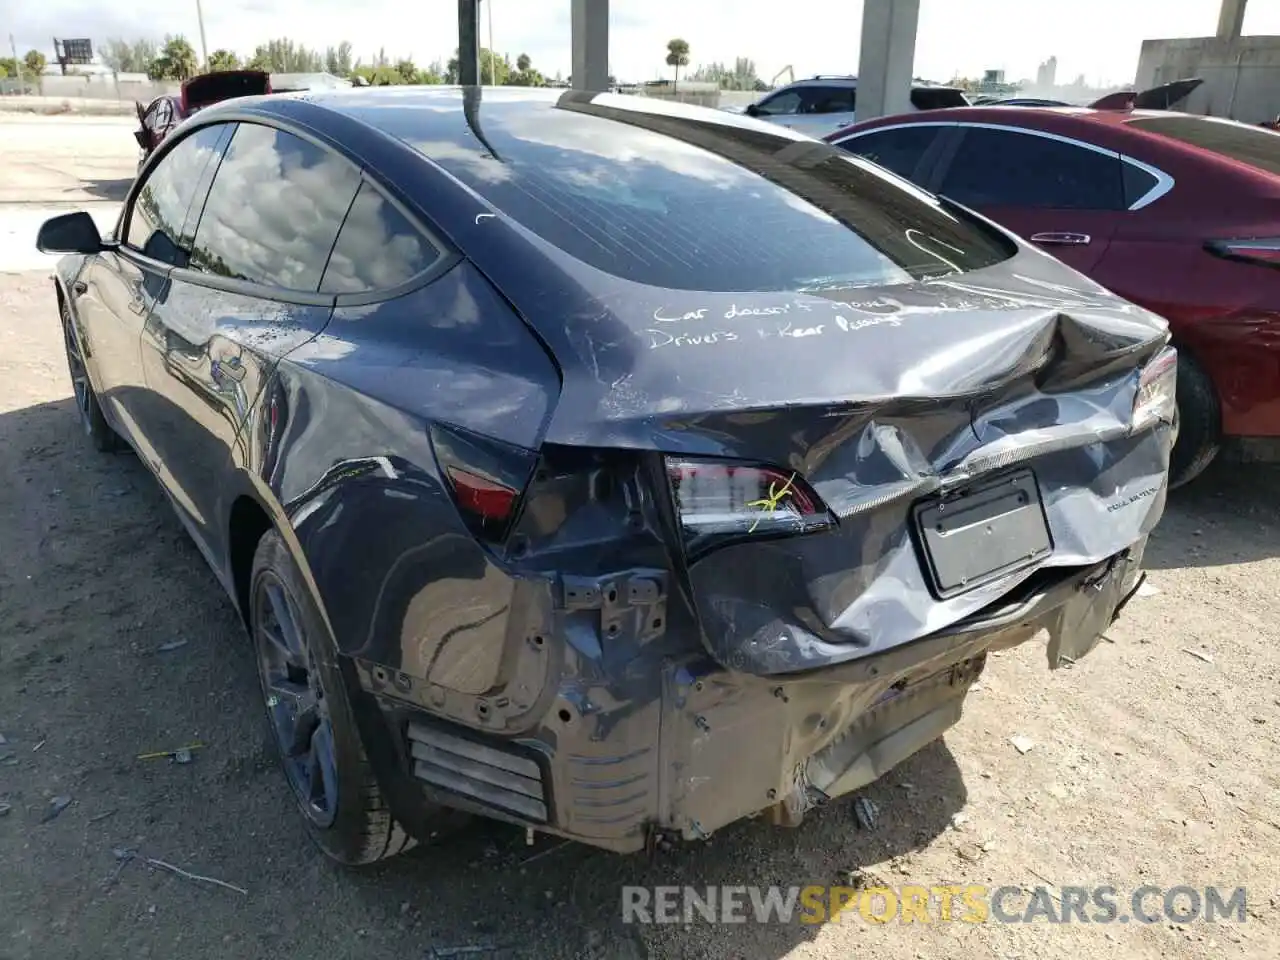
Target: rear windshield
(665, 200)
(1252, 145)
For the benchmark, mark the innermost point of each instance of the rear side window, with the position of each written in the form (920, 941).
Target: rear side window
(937, 98)
(694, 204)
(160, 208)
(1137, 183)
(1252, 145)
(828, 100)
(900, 149)
(274, 210)
(378, 248)
(1007, 168)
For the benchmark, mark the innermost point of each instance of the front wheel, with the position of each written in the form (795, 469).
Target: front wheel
(311, 717)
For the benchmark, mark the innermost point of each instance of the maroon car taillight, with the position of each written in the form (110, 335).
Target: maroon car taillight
(1260, 250)
(717, 499)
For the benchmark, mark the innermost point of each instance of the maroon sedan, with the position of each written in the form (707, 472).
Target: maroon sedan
(162, 114)
(1178, 213)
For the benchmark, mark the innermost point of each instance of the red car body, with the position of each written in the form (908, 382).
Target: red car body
(158, 118)
(1191, 230)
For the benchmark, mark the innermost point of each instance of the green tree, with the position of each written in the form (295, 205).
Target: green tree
(177, 60)
(408, 70)
(524, 75)
(677, 56)
(8, 67)
(337, 60)
(500, 66)
(34, 63)
(124, 57)
(434, 73)
(222, 60)
(285, 56)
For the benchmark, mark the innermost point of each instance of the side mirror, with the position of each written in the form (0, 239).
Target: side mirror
(752, 110)
(69, 233)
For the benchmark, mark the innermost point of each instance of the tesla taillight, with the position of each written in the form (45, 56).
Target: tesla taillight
(1156, 399)
(486, 499)
(716, 499)
(1260, 250)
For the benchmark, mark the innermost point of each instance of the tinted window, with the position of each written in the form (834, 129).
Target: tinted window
(1137, 183)
(787, 102)
(695, 204)
(156, 220)
(828, 100)
(1010, 169)
(899, 150)
(1252, 145)
(274, 210)
(377, 248)
(937, 98)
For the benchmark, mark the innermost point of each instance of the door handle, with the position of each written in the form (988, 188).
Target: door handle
(1061, 239)
(79, 288)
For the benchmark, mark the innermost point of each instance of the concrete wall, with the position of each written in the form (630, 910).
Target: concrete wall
(101, 87)
(1241, 76)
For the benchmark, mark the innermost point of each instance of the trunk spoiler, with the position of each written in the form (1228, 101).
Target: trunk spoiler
(1164, 97)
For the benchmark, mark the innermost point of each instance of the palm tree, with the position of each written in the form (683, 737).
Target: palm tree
(223, 60)
(677, 56)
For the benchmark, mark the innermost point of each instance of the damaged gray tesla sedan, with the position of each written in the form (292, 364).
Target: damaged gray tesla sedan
(612, 468)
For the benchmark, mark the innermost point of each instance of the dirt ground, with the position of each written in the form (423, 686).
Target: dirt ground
(1155, 759)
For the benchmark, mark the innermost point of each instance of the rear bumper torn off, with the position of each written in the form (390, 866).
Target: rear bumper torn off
(706, 745)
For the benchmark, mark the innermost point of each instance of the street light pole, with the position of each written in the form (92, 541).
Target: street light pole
(204, 47)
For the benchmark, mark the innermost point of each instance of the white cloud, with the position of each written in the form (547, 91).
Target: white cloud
(1099, 38)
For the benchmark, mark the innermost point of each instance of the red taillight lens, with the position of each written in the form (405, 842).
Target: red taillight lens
(715, 499)
(485, 499)
(1260, 250)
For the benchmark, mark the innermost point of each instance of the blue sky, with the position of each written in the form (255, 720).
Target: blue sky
(1099, 38)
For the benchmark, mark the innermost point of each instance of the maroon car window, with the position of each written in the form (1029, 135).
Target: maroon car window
(1007, 168)
(899, 149)
(378, 248)
(274, 210)
(160, 207)
(1252, 145)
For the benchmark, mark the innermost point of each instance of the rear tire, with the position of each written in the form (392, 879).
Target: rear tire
(351, 822)
(95, 425)
(1199, 424)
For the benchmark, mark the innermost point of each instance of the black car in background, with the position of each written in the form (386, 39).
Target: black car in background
(614, 468)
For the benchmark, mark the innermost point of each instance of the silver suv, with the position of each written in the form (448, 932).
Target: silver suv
(823, 104)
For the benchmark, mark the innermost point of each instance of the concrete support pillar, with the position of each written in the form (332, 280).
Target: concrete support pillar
(590, 44)
(469, 42)
(1231, 19)
(888, 57)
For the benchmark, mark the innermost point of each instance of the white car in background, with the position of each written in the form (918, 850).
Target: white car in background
(823, 104)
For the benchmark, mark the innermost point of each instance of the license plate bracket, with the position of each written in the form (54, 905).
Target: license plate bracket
(983, 533)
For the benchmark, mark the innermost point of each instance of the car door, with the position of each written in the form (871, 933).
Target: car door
(827, 109)
(1063, 195)
(249, 295)
(815, 110)
(910, 150)
(117, 289)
